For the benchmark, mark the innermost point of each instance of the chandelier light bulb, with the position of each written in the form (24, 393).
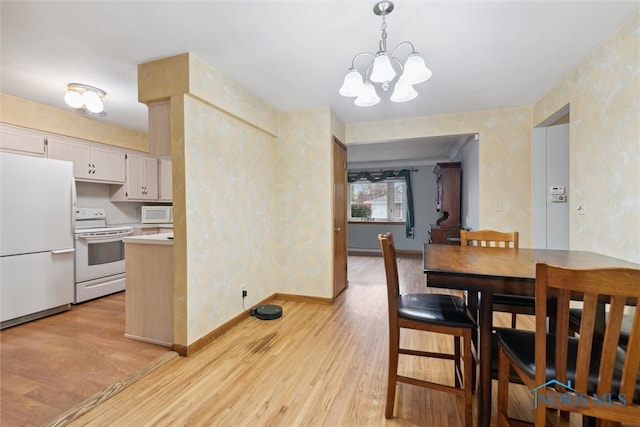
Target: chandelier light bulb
(382, 69)
(368, 97)
(352, 85)
(403, 91)
(415, 70)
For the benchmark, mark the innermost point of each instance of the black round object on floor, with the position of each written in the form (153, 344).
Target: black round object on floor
(267, 312)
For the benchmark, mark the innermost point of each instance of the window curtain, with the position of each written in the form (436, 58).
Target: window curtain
(383, 176)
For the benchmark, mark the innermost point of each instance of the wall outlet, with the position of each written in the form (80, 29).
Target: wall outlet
(244, 291)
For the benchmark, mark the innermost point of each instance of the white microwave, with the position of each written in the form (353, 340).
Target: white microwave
(157, 214)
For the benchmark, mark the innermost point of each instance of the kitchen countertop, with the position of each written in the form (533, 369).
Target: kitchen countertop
(151, 239)
(141, 225)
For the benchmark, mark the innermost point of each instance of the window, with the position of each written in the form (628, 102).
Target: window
(379, 201)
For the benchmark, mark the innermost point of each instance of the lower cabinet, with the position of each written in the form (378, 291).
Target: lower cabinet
(149, 296)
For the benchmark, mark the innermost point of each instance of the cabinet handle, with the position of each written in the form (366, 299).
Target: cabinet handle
(89, 172)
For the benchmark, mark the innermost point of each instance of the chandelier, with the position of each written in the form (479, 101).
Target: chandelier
(85, 98)
(380, 69)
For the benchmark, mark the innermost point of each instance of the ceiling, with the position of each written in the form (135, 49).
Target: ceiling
(294, 54)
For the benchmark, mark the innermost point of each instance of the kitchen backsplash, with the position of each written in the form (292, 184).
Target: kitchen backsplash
(92, 195)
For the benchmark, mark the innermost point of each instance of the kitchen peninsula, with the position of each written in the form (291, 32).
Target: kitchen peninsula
(149, 295)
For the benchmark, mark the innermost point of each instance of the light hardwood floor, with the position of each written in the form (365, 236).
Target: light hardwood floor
(319, 365)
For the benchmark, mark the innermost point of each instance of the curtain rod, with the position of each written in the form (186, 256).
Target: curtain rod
(412, 169)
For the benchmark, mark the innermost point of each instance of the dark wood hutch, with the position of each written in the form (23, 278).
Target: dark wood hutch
(446, 230)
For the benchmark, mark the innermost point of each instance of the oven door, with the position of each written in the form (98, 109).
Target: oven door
(99, 256)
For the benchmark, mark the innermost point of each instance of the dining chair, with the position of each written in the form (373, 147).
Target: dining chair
(589, 375)
(514, 304)
(575, 317)
(437, 313)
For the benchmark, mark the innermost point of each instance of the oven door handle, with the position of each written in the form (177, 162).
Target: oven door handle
(105, 239)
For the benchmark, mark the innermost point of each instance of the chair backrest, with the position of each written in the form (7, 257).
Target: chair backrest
(489, 238)
(391, 270)
(615, 286)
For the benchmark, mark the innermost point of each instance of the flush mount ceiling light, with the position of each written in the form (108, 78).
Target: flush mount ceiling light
(85, 98)
(380, 69)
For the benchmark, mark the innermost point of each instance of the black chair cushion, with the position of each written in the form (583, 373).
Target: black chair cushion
(516, 300)
(441, 309)
(575, 314)
(520, 346)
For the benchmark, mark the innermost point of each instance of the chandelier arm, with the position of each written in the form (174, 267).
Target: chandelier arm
(353, 61)
(413, 49)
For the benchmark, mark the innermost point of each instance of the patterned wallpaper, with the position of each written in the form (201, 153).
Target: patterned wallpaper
(29, 114)
(603, 93)
(231, 216)
(305, 198)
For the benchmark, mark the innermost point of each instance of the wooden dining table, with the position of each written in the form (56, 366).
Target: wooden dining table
(485, 271)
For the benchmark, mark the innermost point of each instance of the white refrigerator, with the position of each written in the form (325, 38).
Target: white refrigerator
(37, 199)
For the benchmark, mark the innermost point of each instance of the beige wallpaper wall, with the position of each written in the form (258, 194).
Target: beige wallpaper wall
(505, 158)
(231, 212)
(603, 93)
(304, 192)
(29, 114)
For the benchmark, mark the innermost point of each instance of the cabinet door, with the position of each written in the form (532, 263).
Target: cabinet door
(135, 176)
(78, 154)
(150, 178)
(21, 141)
(165, 190)
(109, 164)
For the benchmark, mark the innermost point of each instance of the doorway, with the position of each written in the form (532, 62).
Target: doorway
(339, 217)
(551, 182)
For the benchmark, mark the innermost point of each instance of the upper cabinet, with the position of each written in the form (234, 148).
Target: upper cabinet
(142, 180)
(22, 141)
(90, 162)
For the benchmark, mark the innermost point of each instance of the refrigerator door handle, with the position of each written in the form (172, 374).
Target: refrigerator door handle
(74, 196)
(63, 251)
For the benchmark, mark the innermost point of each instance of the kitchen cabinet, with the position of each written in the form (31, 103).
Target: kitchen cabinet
(90, 162)
(22, 141)
(149, 296)
(446, 230)
(165, 189)
(142, 180)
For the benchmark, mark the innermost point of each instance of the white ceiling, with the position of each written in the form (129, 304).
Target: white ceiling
(294, 54)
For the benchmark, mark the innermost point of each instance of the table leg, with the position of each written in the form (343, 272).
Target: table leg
(485, 326)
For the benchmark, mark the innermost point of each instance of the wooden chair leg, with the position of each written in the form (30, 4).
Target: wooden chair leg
(394, 346)
(456, 360)
(503, 389)
(514, 318)
(468, 380)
